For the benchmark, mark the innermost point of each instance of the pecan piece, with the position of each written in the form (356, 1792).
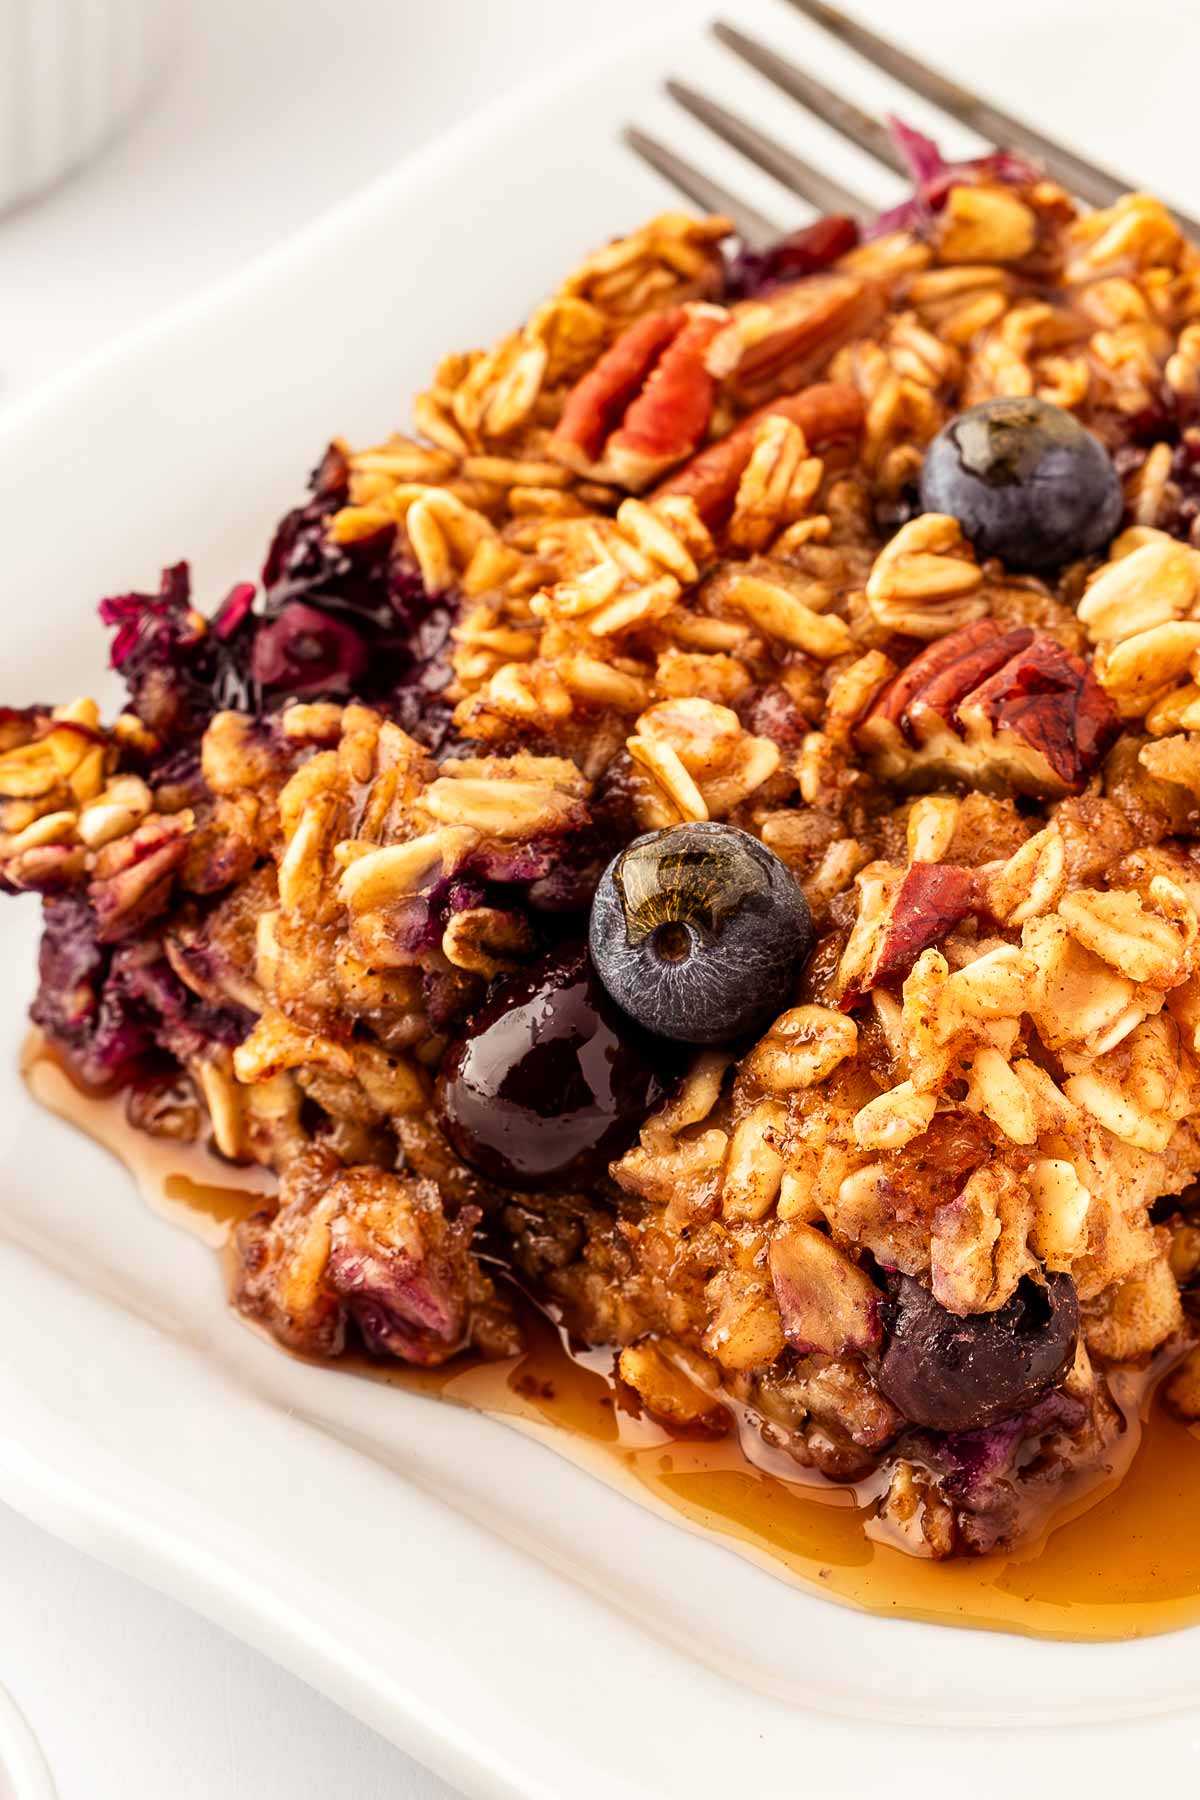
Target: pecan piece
(900, 914)
(826, 413)
(1004, 710)
(931, 900)
(1048, 700)
(646, 404)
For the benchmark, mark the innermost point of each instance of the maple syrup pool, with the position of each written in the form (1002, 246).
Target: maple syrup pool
(1120, 1559)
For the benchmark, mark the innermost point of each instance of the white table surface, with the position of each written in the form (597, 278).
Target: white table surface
(270, 112)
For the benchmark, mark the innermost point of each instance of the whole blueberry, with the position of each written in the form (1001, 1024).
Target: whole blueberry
(550, 1081)
(698, 932)
(958, 1374)
(1026, 482)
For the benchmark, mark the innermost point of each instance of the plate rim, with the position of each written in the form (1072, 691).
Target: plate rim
(79, 1515)
(22, 1759)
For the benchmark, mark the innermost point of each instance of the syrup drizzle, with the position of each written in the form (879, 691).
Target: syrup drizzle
(1119, 1559)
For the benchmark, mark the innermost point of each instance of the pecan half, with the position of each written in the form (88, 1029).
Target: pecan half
(1005, 710)
(775, 345)
(646, 404)
(827, 413)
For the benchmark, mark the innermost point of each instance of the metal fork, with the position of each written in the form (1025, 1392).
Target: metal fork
(1081, 178)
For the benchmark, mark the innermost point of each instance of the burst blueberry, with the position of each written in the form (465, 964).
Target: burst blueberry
(699, 932)
(550, 1081)
(1026, 482)
(962, 1374)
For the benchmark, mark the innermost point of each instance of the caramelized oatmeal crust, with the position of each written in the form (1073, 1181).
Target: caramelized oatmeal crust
(657, 558)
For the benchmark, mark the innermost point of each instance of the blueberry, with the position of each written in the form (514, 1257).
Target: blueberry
(959, 1374)
(550, 1081)
(698, 932)
(1025, 481)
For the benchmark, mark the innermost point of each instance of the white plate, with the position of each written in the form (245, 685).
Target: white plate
(463, 1589)
(23, 1771)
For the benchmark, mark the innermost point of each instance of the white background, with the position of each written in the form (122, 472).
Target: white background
(269, 113)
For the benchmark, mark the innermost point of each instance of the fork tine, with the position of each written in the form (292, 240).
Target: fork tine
(827, 195)
(998, 127)
(753, 227)
(868, 133)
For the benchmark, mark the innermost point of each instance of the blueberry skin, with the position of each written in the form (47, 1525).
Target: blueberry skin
(550, 1081)
(1026, 482)
(960, 1374)
(698, 932)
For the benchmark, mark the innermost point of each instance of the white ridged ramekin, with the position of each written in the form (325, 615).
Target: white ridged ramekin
(71, 72)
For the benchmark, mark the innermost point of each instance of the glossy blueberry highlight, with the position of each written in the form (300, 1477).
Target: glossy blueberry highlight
(698, 932)
(1026, 482)
(550, 1081)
